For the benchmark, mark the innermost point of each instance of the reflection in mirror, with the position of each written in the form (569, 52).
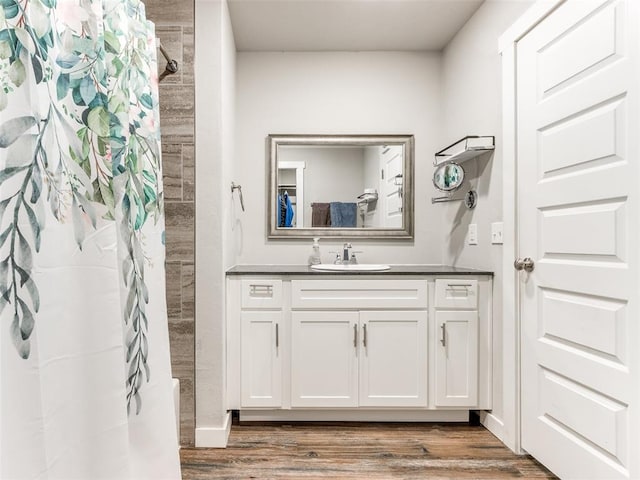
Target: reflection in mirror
(448, 177)
(341, 185)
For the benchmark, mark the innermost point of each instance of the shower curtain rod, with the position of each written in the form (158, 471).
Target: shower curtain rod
(172, 64)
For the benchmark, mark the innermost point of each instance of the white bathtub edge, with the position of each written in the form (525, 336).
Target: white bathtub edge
(176, 406)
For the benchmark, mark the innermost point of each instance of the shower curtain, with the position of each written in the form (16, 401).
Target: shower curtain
(85, 376)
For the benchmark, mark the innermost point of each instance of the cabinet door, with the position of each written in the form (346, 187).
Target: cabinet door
(260, 364)
(393, 359)
(324, 362)
(456, 359)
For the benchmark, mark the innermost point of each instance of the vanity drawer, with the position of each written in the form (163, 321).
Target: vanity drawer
(262, 293)
(337, 294)
(458, 293)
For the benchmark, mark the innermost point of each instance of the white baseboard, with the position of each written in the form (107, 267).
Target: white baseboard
(493, 424)
(214, 437)
(354, 416)
(497, 427)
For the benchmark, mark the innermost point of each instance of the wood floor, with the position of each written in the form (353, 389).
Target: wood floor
(359, 451)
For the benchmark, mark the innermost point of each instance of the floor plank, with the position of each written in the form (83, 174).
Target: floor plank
(359, 451)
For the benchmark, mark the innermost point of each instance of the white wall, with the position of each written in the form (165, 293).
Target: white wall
(231, 201)
(471, 77)
(215, 210)
(336, 92)
(436, 97)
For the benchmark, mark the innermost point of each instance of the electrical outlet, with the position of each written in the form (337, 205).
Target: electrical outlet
(472, 234)
(496, 233)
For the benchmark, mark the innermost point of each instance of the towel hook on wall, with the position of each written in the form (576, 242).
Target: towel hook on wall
(235, 186)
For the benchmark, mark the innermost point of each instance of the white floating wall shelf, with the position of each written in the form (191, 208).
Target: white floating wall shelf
(465, 149)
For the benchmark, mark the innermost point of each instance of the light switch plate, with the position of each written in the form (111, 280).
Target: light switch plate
(496, 233)
(472, 234)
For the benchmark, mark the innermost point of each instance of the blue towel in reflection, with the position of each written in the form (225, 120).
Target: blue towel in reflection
(285, 211)
(343, 214)
(288, 216)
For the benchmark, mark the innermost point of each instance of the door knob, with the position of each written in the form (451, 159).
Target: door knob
(525, 264)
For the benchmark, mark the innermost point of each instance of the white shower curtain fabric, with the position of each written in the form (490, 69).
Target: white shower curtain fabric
(85, 374)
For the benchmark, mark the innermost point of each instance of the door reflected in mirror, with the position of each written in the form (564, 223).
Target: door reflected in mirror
(448, 177)
(340, 185)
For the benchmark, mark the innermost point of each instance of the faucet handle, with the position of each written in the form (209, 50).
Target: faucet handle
(353, 260)
(338, 258)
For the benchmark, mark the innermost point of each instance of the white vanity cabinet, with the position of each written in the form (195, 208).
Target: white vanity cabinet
(324, 363)
(364, 342)
(260, 347)
(456, 347)
(396, 346)
(261, 359)
(359, 358)
(393, 358)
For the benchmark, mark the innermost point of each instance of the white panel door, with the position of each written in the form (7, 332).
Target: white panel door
(578, 185)
(324, 361)
(391, 186)
(393, 359)
(260, 363)
(456, 358)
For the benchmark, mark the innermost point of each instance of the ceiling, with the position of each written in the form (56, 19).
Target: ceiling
(349, 25)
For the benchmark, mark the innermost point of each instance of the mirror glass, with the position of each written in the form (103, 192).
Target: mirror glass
(344, 185)
(448, 177)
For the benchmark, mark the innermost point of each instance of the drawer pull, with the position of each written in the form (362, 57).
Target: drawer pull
(364, 335)
(355, 336)
(453, 285)
(261, 291)
(443, 339)
(277, 335)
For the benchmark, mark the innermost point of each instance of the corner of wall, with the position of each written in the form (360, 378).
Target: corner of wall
(214, 437)
(473, 106)
(210, 194)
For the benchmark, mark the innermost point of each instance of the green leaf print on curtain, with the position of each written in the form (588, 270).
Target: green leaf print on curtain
(91, 158)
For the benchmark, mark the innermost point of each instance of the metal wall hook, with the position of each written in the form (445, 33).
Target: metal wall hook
(235, 186)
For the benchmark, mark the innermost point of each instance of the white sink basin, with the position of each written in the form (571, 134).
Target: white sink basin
(361, 267)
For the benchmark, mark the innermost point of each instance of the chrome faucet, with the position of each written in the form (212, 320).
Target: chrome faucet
(348, 257)
(345, 252)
